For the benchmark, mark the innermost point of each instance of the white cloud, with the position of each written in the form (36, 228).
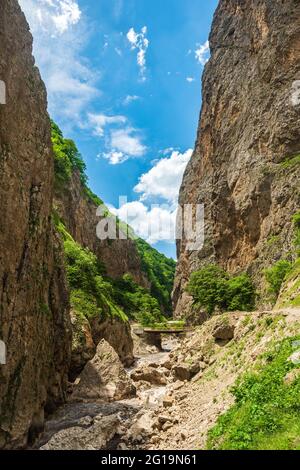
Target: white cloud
(202, 53)
(130, 99)
(153, 223)
(164, 178)
(190, 79)
(156, 222)
(54, 16)
(100, 121)
(127, 142)
(121, 142)
(59, 32)
(115, 158)
(139, 42)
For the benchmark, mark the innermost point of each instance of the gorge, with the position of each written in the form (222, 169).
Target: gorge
(80, 371)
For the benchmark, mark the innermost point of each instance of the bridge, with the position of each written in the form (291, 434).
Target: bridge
(166, 331)
(153, 336)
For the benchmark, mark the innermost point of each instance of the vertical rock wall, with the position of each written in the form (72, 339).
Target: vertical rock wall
(34, 319)
(245, 167)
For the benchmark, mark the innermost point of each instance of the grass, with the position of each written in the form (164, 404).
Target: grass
(290, 162)
(266, 413)
(170, 325)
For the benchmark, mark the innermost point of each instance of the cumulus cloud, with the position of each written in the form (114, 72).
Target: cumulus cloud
(140, 43)
(114, 157)
(121, 144)
(100, 121)
(153, 224)
(59, 32)
(152, 221)
(163, 180)
(202, 53)
(127, 141)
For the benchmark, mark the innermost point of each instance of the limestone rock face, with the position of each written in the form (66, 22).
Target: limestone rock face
(103, 378)
(34, 319)
(244, 168)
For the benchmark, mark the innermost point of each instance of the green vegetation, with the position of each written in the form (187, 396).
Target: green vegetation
(212, 288)
(67, 160)
(266, 413)
(160, 271)
(136, 301)
(292, 161)
(66, 157)
(92, 293)
(83, 266)
(169, 325)
(277, 274)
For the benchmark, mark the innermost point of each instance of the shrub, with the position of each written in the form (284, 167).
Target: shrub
(66, 157)
(241, 293)
(209, 288)
(212, 288)
(266, 410)
(276, 275)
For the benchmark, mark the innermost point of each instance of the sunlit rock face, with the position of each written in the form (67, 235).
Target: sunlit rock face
(243, 168)
(34, 318)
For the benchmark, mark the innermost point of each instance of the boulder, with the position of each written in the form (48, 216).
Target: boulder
(185, 371)
(223, 331)
(86, 435)
(149, 374)
(168, 402)
(142, 428)
(103, 378)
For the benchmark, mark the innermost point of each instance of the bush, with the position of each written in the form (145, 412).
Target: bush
(276, 275)
(241, 293)
(208, 288)
(66, 157)
(266, 410)
(212, 288)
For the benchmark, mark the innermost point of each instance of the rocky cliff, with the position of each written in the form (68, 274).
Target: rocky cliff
(110, 280)
(245, 167)
(78, 211)
(34, 320)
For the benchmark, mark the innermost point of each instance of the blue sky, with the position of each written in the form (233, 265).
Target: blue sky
(124, 81)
